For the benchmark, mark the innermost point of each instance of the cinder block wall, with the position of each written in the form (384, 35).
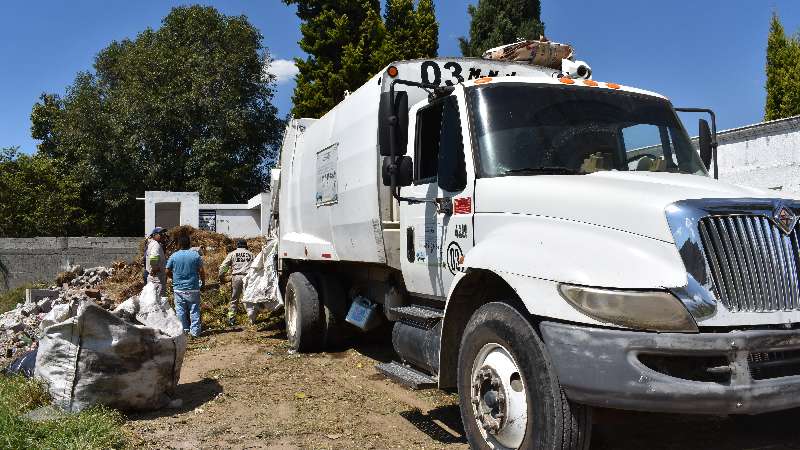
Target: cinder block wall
(765, 155)
(25, 260)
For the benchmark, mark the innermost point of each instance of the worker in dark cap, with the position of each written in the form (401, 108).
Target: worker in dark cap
(237, 261)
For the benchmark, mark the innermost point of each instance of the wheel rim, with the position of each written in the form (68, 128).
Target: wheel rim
(291, 317)
(499, 397)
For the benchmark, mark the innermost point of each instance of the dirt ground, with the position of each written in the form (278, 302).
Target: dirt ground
(243, 389)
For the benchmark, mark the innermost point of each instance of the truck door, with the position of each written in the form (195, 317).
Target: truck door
(437, 233)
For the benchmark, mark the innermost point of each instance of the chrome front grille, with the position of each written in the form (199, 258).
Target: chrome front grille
(754, 265)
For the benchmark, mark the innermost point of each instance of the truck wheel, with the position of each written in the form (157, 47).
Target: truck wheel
(304, 323)
(510, 397)
(334, 305)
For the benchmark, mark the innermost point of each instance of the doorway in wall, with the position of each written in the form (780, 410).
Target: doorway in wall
(168, 214)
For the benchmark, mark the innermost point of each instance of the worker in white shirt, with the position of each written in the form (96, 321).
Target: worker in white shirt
(154, 258)
(237, 261)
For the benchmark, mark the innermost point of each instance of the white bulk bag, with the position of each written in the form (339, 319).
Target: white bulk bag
(129, 359)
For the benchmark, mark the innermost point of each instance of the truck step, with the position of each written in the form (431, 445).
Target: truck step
(420, 316)
(406, 376)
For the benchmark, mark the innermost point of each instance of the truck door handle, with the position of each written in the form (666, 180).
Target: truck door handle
(444, 206)
(410, 244)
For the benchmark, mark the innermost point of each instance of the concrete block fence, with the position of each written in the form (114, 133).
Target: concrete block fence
(26, 260)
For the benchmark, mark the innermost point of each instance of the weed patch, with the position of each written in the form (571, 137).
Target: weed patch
(9, 299)
(95, 428)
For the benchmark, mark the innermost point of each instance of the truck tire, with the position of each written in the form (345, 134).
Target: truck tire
(334, 303)
(304, 321)
(510, 397)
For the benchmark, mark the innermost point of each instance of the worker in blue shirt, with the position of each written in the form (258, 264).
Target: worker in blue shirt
(186, 270)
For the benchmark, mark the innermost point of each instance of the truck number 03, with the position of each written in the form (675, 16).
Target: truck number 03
(453, 73)
(432, 73)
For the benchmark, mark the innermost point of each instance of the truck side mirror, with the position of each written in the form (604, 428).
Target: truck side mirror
(397, 118)
(704, 143)
(404, 171)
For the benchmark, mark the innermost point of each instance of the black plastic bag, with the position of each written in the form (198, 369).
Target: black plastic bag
(23, 365)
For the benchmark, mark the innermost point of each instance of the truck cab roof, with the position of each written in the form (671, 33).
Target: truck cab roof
(578, 83)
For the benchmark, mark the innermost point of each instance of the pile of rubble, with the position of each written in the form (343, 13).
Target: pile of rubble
(20, 327)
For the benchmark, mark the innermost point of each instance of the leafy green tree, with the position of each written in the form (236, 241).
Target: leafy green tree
(783, 73)
(347, 42)
(186, 107)
(498, 22)
(35, 200)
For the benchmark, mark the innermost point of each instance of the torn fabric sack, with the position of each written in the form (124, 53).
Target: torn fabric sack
(261, 282)
(129, 359)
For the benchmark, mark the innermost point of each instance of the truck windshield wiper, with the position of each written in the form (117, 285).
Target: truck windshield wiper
(559, 170)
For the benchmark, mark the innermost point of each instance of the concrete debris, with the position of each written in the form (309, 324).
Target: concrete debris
(21, 327)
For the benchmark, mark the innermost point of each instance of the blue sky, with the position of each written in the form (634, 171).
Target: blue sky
(709, 53)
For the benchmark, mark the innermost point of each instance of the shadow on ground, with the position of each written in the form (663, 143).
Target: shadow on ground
(442, 424)
(376, 344)
(191, 395)
(620, 430)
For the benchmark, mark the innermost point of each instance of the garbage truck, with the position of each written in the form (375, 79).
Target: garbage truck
(541, 242)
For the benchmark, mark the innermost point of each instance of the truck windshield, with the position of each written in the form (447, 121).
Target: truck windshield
(528, 129)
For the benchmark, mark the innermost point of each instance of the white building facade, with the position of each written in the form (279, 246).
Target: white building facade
(170, 209)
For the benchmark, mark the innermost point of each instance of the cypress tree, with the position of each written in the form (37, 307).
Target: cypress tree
(342, 39)
(498, 22)
(427, 37)
(347, 42)
(410, 33)
(401, 30)
(783, 76)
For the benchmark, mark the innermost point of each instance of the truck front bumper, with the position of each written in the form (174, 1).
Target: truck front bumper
(738, 372)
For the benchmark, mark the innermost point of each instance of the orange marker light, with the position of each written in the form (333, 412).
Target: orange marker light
(483, 80)
(612, 85)
(566, 80)
(392, 71)
(591, 83)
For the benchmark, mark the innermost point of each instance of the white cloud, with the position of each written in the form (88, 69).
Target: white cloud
(283, 69)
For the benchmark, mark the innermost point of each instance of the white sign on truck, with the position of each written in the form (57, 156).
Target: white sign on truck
(327, 190)
(542, 242)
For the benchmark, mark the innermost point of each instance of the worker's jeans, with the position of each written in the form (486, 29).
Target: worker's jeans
(187, 306)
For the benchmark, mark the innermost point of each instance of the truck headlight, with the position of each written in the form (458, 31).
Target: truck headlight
(643, 310)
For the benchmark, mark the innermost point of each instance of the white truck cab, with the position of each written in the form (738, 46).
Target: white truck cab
(541, 242)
